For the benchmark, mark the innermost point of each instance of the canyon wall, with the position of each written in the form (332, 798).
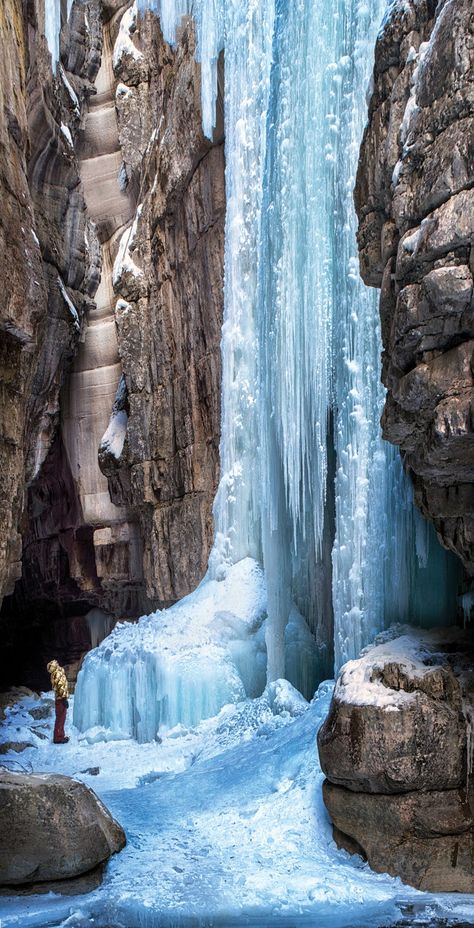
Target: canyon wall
(110, 379)
(396, 747)
(415, 201)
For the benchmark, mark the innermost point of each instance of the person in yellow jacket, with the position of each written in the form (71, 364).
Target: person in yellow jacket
(61, 692)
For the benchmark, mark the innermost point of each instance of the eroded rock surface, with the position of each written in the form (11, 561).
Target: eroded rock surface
(415, 203)
(169, 286)
(110, 366)
(54, 828)
(397, 751)
(44, 277)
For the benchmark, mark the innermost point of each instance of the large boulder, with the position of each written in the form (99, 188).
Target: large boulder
(55, 828)
(397, 751)
(396, 721)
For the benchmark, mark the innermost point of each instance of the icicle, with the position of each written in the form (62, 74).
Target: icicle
(209, 16)
(52, 29)
(100, 625)
(467, 605)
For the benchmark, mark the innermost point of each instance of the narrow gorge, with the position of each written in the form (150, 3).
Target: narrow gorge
(237, 462)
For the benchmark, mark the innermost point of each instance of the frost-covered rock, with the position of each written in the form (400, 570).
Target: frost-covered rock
(57, 828)
(396, 721)
(397, 750)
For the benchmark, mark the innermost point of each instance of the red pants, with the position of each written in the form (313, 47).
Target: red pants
(61, 710)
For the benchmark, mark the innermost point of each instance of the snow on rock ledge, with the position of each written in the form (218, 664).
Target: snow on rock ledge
(396, 749)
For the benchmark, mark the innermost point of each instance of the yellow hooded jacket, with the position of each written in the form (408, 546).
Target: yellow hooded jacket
(58, 680)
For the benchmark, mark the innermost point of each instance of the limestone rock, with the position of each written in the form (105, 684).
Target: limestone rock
(396, 719)
(57, 828)
(169, 334)
(396, 749)
(426, 838)
(415, 204)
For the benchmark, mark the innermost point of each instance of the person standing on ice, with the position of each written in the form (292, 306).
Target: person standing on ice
(61, 692)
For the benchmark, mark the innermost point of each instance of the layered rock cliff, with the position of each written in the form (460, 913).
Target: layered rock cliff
(110, 378)
(415, 200)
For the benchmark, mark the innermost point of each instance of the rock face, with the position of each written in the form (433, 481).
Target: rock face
(169, 286)
(44, 275)
(397, 752)
(415, 203)
(110, 365)
(57, 828)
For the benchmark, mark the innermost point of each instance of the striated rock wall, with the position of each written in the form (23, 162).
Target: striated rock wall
(45, 281)
(415, 201)
(169, 287)
(110, 361)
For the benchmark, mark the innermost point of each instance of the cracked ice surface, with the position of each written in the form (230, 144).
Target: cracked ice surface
(225, 826)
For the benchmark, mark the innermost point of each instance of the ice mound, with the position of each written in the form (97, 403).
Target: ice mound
(180, 665)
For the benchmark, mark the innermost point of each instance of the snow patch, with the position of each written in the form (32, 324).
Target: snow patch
(412, 649)
(72, 93)
(124, 44)
(124, 263)
(67, 134)
(70, 305)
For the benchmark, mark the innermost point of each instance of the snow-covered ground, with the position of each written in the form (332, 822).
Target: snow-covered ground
(225, 825)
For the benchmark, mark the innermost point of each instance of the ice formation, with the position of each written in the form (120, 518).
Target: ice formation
(180, 665)
(303, 466)
(52, 28)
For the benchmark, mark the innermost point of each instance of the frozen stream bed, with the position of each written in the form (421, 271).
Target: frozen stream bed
(225, 826)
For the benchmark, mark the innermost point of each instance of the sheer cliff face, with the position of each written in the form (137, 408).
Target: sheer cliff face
(45, 280)
(415, 201)
(111, 222)
(168, 280)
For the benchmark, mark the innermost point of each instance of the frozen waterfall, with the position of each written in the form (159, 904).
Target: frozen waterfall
(308, 488)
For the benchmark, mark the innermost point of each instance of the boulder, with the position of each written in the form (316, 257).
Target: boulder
(396, 721)
(397, 751)
(57, 828)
